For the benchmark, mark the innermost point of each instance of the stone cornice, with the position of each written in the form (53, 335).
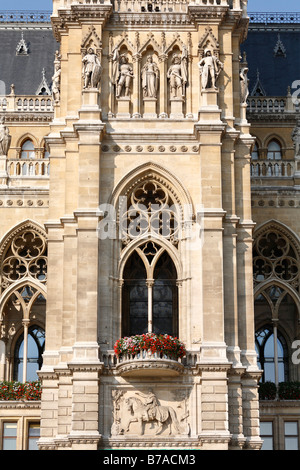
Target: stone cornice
(78, 14)
(22, 404)
(20, 117)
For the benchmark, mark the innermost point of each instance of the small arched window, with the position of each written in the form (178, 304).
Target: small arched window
(274, 151)
(27, 150)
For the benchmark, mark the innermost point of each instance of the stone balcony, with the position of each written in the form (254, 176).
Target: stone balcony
(273, 169)
(147, 364)
(29, 104)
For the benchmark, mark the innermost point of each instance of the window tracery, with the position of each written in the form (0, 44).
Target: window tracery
(26, 257)
(23, 278)
(150, 210)
(275, 257)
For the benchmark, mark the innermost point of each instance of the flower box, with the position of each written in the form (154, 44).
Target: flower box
(149, 354)
(14, 391)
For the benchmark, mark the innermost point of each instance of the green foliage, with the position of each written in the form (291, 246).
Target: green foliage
(285, 391)
(267, 391)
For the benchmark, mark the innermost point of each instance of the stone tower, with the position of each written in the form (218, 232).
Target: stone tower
(149, 121)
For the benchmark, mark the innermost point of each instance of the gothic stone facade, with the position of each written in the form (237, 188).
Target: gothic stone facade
(148, 107)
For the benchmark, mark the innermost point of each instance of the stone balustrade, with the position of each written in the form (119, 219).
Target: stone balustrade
(17, 168)
(266, 104)
(147, 363)
(272, 168)
(36, 103)
(148, 6)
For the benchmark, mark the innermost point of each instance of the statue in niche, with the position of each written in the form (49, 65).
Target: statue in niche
(5, 138)
(296, 139)
(92, 69)
(210, 68)
(122, 74)
(150, 78)
(177, 74)
(56, 78)
(244, 83)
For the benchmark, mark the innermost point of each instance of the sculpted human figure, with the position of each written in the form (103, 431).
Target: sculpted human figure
(150, 78)
(56, 79)
(210, 68)
(244, 82)
(122, 74)
(5, 138)
(177, 74)
(91, 69)
(296, 139)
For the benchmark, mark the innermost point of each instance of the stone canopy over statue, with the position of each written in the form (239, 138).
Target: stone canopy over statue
(5, 138)
(210, 68)
(92, 69)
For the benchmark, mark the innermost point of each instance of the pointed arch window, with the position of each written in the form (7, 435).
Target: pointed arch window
(149, 292)
(23, 278)
(272, 353)
(274, 150)
(35, 343)
(27, 150)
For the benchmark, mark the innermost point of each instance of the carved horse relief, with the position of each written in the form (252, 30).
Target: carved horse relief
(147, 411)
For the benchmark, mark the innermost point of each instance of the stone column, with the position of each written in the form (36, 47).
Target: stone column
(136, 94)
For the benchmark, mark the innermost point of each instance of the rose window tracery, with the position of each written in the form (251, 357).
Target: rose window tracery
(275, 257)
(150, 210)
(26, 257)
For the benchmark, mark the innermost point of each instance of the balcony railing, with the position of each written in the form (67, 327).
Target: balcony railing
(138, 6)
(268, 104)
(148, 363)
(272, 169)
(274, 18)
(34, 103)
(16, 16)
(17, 168)
(25, 16)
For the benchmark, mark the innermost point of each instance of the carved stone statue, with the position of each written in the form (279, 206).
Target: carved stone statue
(56, 79)
(177, 74)
(210, 68)
(244, 83)
(296, 139)
(122, 74)
(150, 78)
(92, 69)
(5, 138)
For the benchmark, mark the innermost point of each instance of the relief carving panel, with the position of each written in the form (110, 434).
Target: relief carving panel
(145, 413)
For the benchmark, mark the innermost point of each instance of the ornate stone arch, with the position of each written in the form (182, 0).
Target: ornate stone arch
(138, 244)
(282, 228)
(39, 288)
(149, 194)
(23, 255)
(262, 288)
(276, 261)
(28, 136)
(159, 173)
(276, 137)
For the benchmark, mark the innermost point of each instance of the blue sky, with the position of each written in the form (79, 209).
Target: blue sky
(253, 5)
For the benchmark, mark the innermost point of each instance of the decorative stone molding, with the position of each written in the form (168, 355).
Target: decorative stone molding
(148, 365)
